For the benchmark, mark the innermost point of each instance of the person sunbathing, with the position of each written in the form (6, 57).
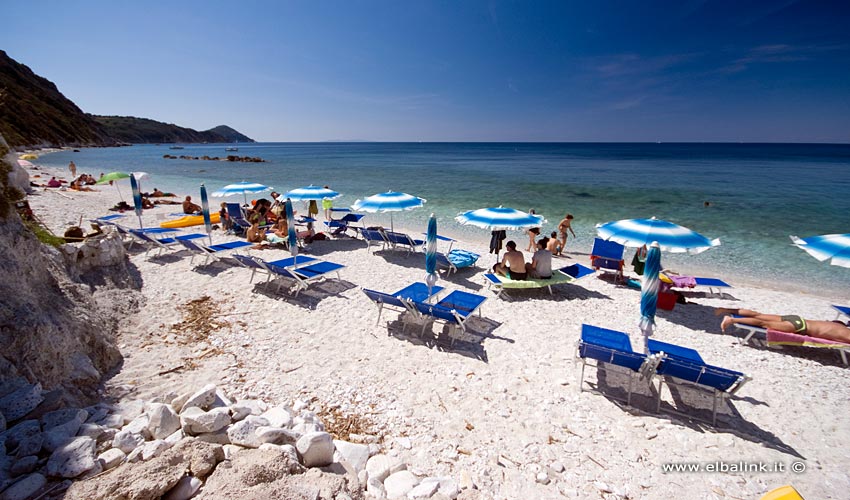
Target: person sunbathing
(513, 263)
(830, 330)
(53, 183)
(189, 207)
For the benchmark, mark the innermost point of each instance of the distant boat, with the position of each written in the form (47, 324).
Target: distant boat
(233, 148)
(176, 147)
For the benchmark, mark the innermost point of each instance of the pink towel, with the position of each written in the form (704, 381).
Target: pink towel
(682, 281)
(775, 337)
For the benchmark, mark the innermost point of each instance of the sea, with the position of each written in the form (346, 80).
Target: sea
(750, 196)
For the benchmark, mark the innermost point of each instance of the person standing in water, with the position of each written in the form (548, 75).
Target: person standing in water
(73, 168)
(564, 226)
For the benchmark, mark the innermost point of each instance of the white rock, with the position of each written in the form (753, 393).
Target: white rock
(184, 489)
(178, 402)
(129, 410)
(111, 458)
(221, 400)
(404, 442)
(127, 441)
(139, 425)
(449, 488)
(135, 455)
(175, 437)
(24, 488)
(163, 421)
(316, 449)
(203, 399)
(298, 405)
(276, 435)
(376, 488)
(197, 421)
(542, 478)
(465, 481)
(244, 434)
(154, 448)
(424, 489)
(114, 421)
(277, 417)
(218, 437)
(91, 430)
(400, 483)
(380, 466)
(355, 454)
(245, 407)
(230, 451)
(557, 467)
(72, 459)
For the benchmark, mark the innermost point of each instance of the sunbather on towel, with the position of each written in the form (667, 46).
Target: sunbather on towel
(830, 330)
(513, 264)
(541, 263)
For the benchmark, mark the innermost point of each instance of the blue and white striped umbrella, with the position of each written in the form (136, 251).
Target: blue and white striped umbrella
(670, 237)
(292, 234)
(388, 202)
(137, 198)
(500, 218)
(827, 246)
(431, 253)
(312, 193)
(242, 188)
(205, 210)
(649, 290)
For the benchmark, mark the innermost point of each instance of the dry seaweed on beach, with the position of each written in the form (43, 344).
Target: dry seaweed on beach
(198, 320)
(341, 425)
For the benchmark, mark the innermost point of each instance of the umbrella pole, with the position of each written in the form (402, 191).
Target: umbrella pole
(119, 191)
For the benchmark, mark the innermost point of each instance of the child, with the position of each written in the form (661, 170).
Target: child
(226, 222)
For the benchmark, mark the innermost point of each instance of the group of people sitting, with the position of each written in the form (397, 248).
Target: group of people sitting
(514, 266)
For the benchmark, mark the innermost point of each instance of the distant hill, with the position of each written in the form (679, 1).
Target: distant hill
(33, 113)
(145, 131)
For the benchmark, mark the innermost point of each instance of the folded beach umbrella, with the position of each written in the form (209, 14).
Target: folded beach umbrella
(242, 188)
(292, 233)
(828, 246)
(137, 199)
(431, 254)
(500, 218)
(649, 291)
(113, 176)
(670, 237)
(388, 202)
(311, 193)
(205, 210)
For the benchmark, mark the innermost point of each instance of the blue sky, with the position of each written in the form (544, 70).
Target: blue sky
(775, 71)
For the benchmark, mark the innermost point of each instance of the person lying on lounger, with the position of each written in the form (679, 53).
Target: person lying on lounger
(513, 263)
(830, 330)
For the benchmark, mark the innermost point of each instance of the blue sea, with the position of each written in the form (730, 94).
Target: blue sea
(758, 194)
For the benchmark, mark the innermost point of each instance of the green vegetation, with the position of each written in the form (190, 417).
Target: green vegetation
(8, 194)
(130, 129)
(43, 234)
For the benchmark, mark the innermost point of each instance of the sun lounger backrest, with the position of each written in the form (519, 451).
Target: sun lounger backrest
(609, 346)
(607, 249)
(247, 261)
(701, 374)
(463, 302)
(384, 298)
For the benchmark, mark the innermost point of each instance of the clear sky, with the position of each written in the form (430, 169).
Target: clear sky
(636, 70)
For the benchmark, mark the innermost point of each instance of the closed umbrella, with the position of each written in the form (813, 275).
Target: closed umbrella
(670, 237)
(242, 188)
(205, 210)
(113, 176)
(431, 254)
(389, 202)
(137, 199)
(649, 290)
(292, 234)
(832, 247)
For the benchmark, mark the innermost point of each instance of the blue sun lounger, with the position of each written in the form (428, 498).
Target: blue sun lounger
(397, 239)
(417, 292)
(162, 243)
(607, 255)
(612, 350)
(341, 226)
(303, 273)
(211, 251)
(679, 365)
(842, 311)
(374, 237)
(457, 259)
(454, 310)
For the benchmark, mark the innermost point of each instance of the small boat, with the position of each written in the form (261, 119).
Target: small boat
(176, 147)
(232, 148)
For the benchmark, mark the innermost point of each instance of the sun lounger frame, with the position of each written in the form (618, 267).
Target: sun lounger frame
(575, 272)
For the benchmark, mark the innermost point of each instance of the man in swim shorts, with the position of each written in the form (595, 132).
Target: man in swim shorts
(830, 330)
(513, 264)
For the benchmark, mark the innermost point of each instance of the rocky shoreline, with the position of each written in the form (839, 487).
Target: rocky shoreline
(234, 158)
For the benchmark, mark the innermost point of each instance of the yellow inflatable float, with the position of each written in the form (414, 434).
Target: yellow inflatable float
(190, 220)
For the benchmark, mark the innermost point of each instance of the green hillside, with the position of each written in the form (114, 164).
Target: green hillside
(145, 131)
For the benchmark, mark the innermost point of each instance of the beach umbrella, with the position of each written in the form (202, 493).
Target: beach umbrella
(649, 291)
(205, 210)
(500, 218)
(113, 176)
(312, 193)
(431, 253)
(670, 237)
(242, 188)
(828, 246)
(388, 202)
(137, 199)
(292, 234)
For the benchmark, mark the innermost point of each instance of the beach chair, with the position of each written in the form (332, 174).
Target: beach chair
(252, 263)
(210, 252)
(162, 244)
(607, 255)
(714, 285)
(234, 212)
(842, 311)
(453, 310)
(302, 272)
(777, 338)
(397, 239)
(338, 227)
(561, 276)
(374, 237)
(107, 219)
(683, 366)
(612, 350)
(456, 259)
(417, 292)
